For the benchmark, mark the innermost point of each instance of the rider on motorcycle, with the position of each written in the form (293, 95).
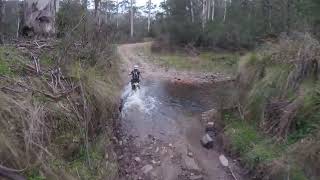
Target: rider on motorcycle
(135, 74)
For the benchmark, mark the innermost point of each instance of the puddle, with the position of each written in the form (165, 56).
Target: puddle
(163, 108)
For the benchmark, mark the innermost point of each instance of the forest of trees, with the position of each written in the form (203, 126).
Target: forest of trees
(123, 18)
(228, 24)
(235, 23)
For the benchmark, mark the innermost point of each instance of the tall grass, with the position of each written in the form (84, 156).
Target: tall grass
(279, 92)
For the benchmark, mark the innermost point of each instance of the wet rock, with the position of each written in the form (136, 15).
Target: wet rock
(156, 162)
(157, 150)
(146, 169)
(196, 177)
(137, 159)
(120, 157)
(207, 141)
(210, 116)
(191, 164)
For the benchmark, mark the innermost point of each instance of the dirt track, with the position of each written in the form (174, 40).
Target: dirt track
(160, 124)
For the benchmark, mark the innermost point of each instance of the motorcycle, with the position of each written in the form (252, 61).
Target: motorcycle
(135, 86)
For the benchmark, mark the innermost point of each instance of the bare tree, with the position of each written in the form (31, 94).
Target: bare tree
(192, 11)
(149, 15)
(85, 4)
(213, 9)
(1, 20)
(267, 9)
(225, 10)
(208, 9)
(204, 14)
(117, 16)
(131, 18)
(96, 6)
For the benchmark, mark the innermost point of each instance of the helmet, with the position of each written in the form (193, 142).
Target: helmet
(136, 67)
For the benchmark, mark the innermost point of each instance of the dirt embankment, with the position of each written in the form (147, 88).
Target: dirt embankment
(56, 112)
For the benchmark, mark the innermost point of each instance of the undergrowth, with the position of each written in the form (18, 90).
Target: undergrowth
(253, 147)
(279, 96)
(257, 151)
(58, 138)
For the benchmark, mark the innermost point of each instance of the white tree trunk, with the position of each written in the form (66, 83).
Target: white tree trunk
(204, 14)
(117, 16)
(192, 12)
(149, 16)
(18, 26)
(213, 10)
(208, 9)
(40, 16)
(57, 5)
(225, 11)
(131, 19)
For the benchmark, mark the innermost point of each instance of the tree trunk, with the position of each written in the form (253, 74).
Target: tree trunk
(117, 14)
(96, 7)
(131, 19)
(39, 17)
(18, 26)
(56, 5)
(85, 4)
(192, 12)
(267, 7)
(208, 9)
(288, 15)
(213, 10)
(204, 15)
(225, 11)
(1, 20)
(149, 15)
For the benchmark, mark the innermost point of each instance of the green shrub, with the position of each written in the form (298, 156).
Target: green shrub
(242, 136)
(254, 148)
(308, 118)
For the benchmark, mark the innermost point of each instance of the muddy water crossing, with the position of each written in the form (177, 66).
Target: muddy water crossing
(162, 129)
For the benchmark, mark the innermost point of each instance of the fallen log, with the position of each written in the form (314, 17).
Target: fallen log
(11, 173)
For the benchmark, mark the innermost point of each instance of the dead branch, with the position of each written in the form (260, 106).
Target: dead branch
(54, 97)
(12, 90)
(42, 148)
(11, 169)
(11, 175)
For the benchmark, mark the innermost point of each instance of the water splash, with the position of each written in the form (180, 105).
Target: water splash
(138, 100)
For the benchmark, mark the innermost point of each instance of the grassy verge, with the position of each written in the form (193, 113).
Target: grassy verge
(278, 134)
(204, 62)
(259, 152)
